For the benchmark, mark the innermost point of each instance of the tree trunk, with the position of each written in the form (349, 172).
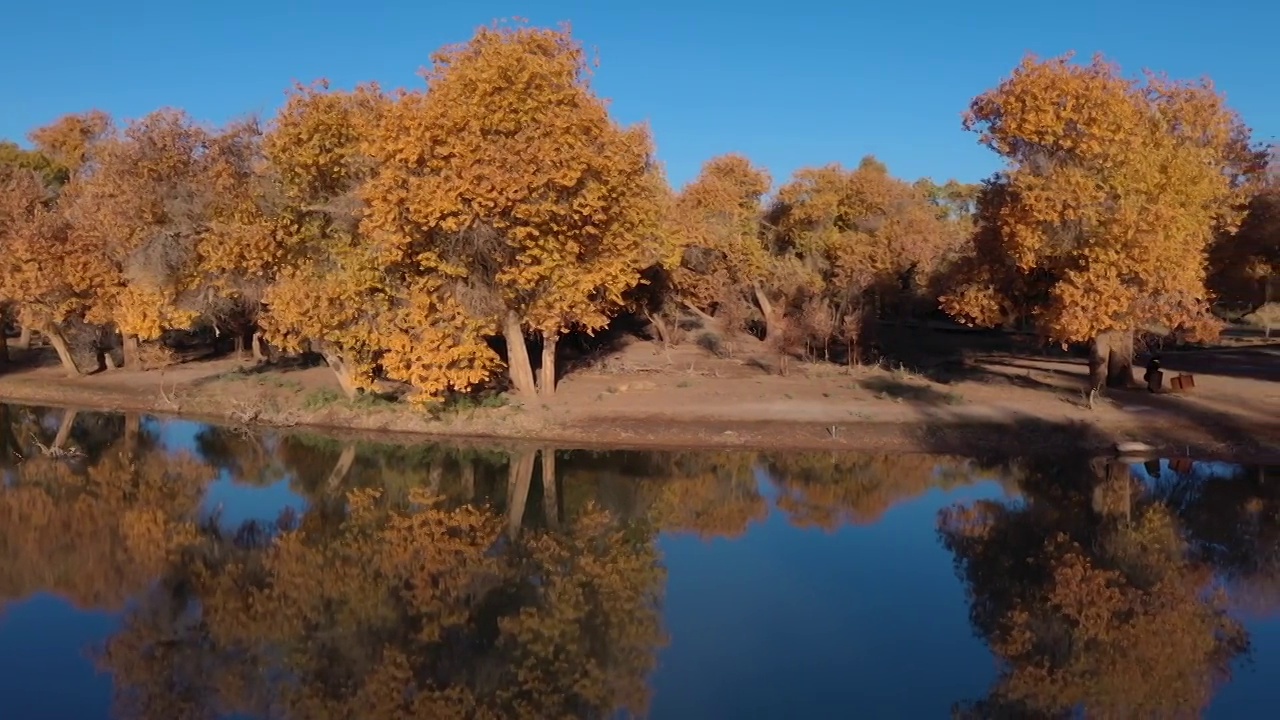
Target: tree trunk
(518, 364)
(339, 368)
(4, 346)
(132, 431)
(766, 309)
(64, 353)
(238, 347)
(130, 346)
(435, 476)
(256, 342)
(519, 476)
(547, 373)
(10, 449)
(24, 339)
(1111, 360)
(550, 488)
(468, 473)
(659, 328)
(64, 429)
(340, 469)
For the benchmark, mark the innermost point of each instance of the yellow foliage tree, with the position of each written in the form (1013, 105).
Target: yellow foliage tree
(1113, 191)
(142, 207)
(723, 261)
(336, 288)
(868, 236)
(69, 142)
(326, 291)
(49, 273)
(238, 252)
(509, 183)
(1244, 264)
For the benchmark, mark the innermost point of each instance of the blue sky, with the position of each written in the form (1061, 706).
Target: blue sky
(819, 83)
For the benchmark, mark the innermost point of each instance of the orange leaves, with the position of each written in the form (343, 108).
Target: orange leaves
(69, 141)
(1114, 189)
(716, 223)
(141, 209)
(433, 342)
(861, 226)
(45, 268)
(510, 168)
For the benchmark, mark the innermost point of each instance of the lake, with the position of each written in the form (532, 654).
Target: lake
(170, 569)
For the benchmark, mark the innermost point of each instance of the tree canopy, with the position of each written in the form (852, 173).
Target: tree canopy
(427, 242)
(1113, 191)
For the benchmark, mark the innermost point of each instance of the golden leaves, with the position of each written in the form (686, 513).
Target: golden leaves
(49, 271)
(861, 226)
(1113, 191)
(720, 248)
(510, 169)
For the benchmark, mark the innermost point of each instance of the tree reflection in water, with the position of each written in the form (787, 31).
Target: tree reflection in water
(526, 582)
(1098, 594)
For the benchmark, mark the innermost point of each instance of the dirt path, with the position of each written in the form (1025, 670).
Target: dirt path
(645, 396)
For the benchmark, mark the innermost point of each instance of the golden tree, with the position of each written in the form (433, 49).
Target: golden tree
(48, 272)
(510, 186)
(142, 207)
(327, 290)
(1113, 191)
(1244, 264)
(723, 262)
(336, 288)
(870, 238)
(238, 252)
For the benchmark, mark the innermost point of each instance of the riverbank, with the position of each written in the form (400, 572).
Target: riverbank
(645, 396)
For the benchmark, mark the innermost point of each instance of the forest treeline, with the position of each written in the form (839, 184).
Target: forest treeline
(432, 239)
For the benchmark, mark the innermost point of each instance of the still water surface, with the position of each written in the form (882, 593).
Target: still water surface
(169, 569)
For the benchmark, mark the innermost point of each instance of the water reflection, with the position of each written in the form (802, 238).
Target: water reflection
(1104, 594)
(422, 581)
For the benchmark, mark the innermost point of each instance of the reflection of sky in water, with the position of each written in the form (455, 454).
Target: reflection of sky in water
(1200, 470)
(1253, 684)
(44, 671)
(867, 620)
(236, 501)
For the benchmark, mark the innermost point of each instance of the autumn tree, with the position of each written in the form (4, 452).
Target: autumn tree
(1113, 190)
(49, 274)
(328, 293)
(142, 207)
(724, 267)
(509, 187)
(238, 251)
(69, 142)
(1244, 264)
(871, 239)
(51, 173)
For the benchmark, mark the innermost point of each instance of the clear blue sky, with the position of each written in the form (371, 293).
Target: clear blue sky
(789, 84)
